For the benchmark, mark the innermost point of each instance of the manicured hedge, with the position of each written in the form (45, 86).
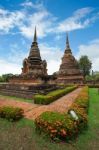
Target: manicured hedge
(11, 113)
(93, 85)
(82, 101)
(64, 126)
(52, 96)
(80, 106)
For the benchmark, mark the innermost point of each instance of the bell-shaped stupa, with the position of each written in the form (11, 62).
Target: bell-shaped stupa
(69, 72)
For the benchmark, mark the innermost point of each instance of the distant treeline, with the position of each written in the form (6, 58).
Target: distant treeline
(5, 77)
(94, 77)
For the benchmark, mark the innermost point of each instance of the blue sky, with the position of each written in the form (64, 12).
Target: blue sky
(53, 18)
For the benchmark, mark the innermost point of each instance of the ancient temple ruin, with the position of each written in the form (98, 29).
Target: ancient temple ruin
(69, 72)
(34, 64)
(34, 68)
(34, 78)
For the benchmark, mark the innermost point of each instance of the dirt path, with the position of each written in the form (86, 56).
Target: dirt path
(31, 111)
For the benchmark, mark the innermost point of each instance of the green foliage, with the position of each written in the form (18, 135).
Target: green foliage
(89, 78)
(5, 77)
(52, 96)
(63, 126)
(11, 113)
(94, 86)
(82, 100)
(94, 77)
(2, 79)
(85, 65)
(81, 105)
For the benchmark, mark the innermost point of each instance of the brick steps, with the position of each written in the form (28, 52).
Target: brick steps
(18, 93)
(25, 91)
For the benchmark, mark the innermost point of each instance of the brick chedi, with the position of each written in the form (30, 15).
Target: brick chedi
(34, 68)
(69, 72)
(34, 64)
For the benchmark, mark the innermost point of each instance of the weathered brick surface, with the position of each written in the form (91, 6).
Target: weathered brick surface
(31, 111)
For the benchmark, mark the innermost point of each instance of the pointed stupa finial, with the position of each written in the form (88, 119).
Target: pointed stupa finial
(67, 42)
(35, 35)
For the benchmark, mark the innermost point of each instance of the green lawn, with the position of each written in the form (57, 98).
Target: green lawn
(22, 135)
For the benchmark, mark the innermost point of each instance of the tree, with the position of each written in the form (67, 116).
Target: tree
(85, 65)
(5, 77)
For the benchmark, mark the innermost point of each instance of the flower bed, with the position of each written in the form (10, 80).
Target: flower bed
(52, 96)
(64, 126)
(11, 113)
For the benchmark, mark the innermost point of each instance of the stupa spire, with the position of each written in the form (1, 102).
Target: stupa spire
(67, 50)
(67, 42)
(35, 35)
(34, 50)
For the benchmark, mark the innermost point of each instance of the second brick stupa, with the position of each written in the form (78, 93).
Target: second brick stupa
(69, 71)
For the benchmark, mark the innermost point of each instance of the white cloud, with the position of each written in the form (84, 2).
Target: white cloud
(25, 20)
(13, 63)
(27, 4)
(47, 23)
(52, 55)
(58, 37)
(41, 19)
(80, 19)
(53, 66)
(92, 51)
(8, 67)
(9, 20)
(30, 4)
(16, 54)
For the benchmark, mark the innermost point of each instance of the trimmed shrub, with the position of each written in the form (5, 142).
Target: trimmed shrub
(93, 85)
(64, 126)
(82, 101)
(11, 113)
(52, 96)
(80, 106)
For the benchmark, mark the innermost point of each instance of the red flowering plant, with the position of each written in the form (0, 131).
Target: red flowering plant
(57, 125)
